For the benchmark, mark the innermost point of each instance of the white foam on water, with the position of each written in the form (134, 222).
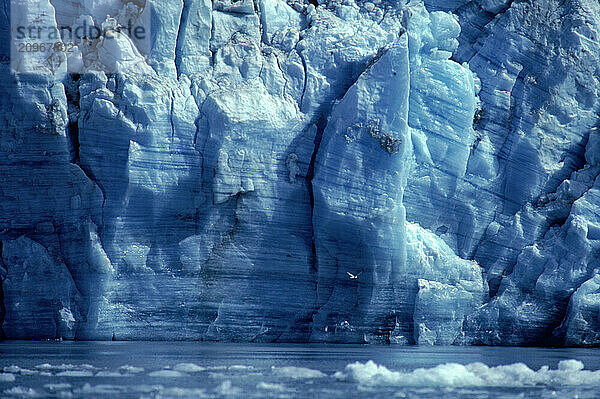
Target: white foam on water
(297, 372)
(188, 368)
(568, 373)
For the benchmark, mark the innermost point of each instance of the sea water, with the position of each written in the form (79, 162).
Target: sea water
(210, 370)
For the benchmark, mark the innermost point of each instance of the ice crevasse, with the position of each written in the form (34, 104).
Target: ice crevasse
(383, 171)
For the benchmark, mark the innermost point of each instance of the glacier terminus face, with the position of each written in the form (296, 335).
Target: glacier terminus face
(383, 171)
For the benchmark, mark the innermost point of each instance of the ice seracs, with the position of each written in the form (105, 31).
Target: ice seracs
(275, 171)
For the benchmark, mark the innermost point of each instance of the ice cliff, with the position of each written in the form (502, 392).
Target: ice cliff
(360, 171)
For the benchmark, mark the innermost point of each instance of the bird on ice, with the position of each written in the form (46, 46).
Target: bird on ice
(353, 276)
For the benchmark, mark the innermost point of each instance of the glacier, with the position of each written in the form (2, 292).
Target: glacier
(409, 172)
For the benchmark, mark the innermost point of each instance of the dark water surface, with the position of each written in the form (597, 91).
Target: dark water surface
(197, 370)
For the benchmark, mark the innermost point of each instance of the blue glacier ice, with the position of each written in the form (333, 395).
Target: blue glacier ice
(410, 172)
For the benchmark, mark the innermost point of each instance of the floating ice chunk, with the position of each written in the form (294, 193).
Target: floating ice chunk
(188, 368)
(131, 369)
(102, 389)
(183, 393)
(569, 373)
(167, 374)
(23, 392)
(18, 370)
(227, 389)
(297, 372)
(270, 387)
(58, 387)
(84, 366)
(107, 373)
(7, 377)
(570, 365)
(63, 367)
(75, 373)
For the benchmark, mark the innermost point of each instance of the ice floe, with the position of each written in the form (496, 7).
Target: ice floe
(7, 377)
(188, 368)
(568, 373)
(167, 374)
(297, 372)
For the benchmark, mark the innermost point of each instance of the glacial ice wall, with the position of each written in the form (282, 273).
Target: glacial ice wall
(359, 171)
